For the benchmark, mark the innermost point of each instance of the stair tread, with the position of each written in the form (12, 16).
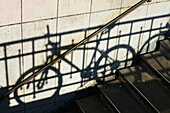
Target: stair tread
(151, 88)
(121, 97)
(159, 62)
(93, 104)
(71, 108)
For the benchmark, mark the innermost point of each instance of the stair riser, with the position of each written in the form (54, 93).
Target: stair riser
(80, 108)
(164, 50)
(108, 102)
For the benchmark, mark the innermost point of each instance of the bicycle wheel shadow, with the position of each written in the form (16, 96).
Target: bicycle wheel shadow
(103, 70)
(105, 65)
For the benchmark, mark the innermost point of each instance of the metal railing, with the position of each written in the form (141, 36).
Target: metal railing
(60, 57)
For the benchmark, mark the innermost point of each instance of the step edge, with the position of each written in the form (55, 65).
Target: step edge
(142, 61)
(138, 93)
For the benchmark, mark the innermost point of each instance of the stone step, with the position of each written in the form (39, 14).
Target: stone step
(156, 61)
(140, 88)
(93, 104)
(152, 89)
(120, 98)
(165, 47)
(72, 107)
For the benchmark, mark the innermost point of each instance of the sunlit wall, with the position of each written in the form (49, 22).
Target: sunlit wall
(33, 32)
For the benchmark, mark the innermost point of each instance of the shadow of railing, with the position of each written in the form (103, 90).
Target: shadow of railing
(98, 59)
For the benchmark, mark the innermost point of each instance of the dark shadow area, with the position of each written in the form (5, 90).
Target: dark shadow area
(105, 58)
(149, 85)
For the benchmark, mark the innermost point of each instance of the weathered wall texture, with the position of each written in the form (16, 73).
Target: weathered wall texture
(34, 31)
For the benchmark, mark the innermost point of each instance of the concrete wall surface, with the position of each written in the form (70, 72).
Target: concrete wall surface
(33, 32)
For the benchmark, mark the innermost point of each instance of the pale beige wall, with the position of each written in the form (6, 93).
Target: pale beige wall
(26, 26)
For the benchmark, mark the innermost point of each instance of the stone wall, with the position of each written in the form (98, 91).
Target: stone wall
(32, 32)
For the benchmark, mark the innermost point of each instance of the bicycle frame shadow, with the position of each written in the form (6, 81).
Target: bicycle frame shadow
(101, 64)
